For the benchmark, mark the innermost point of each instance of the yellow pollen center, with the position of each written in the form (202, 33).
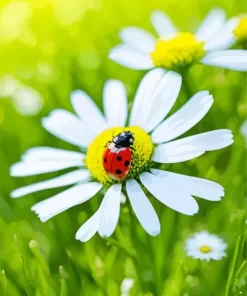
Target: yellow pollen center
(141, 153)
(181, 50)
(205, 249)
(240, 31)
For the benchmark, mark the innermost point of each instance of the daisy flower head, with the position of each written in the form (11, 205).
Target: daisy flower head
(236, 29)
(205, 246)
(175, 50)
(233, 32)
(118, 152)
(240, 28)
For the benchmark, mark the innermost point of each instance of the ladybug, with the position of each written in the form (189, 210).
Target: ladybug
(118, 155)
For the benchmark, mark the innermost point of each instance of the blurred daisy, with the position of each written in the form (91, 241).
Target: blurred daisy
(243, 130)
(205, 246)
(235, 30)
(27, 101)
(174, 50)
(240, 28)
(126, 286)
(155, 142)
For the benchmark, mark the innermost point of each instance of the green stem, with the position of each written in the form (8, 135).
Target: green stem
(4, 283)
(238, 273)
(188, 85)
(233, 265)
(22, 267)
(64, 289)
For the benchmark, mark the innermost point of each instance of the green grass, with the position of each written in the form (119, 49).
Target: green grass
(71, 39)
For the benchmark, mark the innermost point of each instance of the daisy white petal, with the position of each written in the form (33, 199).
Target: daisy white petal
(59, 203)
(162, 100)
(88, 111)
(205, 189)
(129, 57)
(230, 59)
(115, 103)
(67, 127)
(184, 119)
(146, 88)
(172, 196)
(162, 24)
(89, 228)
(224, 38)
(143, 208)
(205, 246)
(30, 168)
(50, 153)
(105, 219)
(138, 39)
(110, 210)
(155, 107)
(64, 180)
(193, 146)
(211, 24)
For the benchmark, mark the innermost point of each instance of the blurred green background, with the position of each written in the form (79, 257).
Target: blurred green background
(49, 48)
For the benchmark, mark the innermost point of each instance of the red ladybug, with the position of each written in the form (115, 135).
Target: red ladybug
(118, 156)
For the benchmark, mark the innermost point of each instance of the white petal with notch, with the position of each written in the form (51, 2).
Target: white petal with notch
(143, 208)
(193, 146)
(69, 198)
(115, 103)
(184, 119)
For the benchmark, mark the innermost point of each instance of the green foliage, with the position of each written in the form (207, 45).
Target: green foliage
(56, 47)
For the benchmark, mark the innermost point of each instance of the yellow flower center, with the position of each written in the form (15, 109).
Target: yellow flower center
(141, 153)
(182, 50)
(205, 249)
(240, 31)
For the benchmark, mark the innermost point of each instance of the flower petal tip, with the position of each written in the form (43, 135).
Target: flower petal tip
(155, 232)
(14, 194)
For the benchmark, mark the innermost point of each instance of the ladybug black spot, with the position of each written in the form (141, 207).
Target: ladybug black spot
(126, 163)
(107, 170)
(119, 158)
(119, 172)
(105, 160)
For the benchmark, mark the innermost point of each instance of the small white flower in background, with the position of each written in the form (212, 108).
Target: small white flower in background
(8, 86)
(205, 246)
(27, 101)
(235, 30)
(173, 50)
(243, 130)
(126, 286)
(155, 141)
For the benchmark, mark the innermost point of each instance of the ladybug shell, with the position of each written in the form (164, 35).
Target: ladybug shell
(117, 161)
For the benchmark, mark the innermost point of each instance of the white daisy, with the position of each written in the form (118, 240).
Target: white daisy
(155, 142)
(234, 31)
(141, 50)
(205, 246)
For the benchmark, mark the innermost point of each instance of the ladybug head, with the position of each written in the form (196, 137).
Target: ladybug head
(124, 139)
